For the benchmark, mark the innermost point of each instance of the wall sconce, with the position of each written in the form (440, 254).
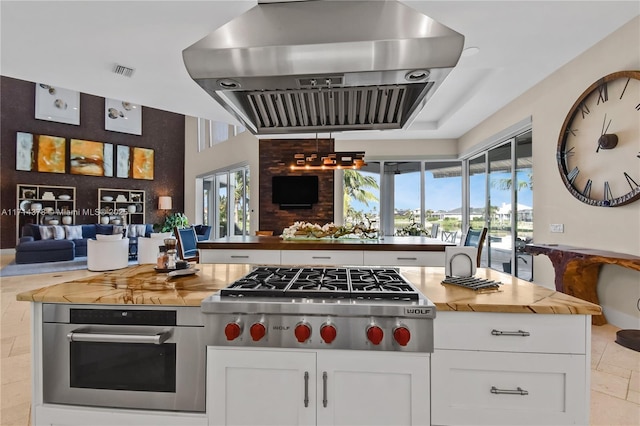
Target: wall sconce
(328, 161)
(164, 202)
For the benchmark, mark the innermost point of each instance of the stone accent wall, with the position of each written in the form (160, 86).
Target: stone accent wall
(273, 156)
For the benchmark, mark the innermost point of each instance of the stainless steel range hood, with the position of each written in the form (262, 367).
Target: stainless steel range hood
(325, 66)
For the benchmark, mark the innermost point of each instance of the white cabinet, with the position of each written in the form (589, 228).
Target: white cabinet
(404, 258)
(252, 257)
(324, 257)
(510, 369)
(297, 387)
(321, 257)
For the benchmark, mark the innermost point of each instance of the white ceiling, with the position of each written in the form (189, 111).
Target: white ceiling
(75, 44)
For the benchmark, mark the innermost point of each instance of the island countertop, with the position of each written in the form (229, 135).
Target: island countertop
(141, 285)
(277, 243)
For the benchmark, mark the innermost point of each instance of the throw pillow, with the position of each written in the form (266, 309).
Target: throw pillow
(104, 229)
(73, 232)
(136, 231)
(114, 237)
(35, 231)
(52, 232)
(118, 230)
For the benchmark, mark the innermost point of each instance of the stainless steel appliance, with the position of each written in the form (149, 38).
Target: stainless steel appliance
(323, 66)
(321, 308)
(124, 356)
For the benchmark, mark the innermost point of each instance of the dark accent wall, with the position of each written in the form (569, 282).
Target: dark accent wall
(272, 156)
(163, 131)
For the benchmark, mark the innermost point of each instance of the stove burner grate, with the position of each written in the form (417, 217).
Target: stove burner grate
(357, 283)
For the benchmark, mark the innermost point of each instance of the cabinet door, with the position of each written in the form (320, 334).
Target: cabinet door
(373, 388)
(502, 388)
(322, 257)
(258, 387)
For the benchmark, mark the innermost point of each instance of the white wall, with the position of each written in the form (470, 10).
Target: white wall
(241, 149)
(614, 229)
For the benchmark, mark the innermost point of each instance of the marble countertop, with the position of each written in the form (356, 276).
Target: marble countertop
(143, 285)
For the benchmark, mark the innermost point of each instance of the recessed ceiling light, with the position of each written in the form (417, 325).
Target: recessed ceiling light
(470, 51)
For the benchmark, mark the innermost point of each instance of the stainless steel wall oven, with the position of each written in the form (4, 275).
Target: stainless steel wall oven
(124, 356)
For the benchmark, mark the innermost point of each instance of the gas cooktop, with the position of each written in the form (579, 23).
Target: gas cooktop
(325, 308)
(332, 283)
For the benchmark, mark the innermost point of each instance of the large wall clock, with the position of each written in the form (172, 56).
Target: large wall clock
(599, 145)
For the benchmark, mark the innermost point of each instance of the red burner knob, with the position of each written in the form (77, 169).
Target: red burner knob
(257, 331)
(302, 332)
(402, 335)
(328, 333)
(375, 334)
(232, 330)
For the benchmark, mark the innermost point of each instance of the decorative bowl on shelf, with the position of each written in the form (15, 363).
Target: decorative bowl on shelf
(48, 196)
(107, 198)
(131, 208)
(53, 222)
(64, 197)
(36, 207)
(115, 222)
(121, 198)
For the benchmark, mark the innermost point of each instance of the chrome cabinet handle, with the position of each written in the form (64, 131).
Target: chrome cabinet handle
(156, 339)
(321, 257)
(406, 258)
(510, 333)
(324, 389)
(306, 388)
(516, 391)
(239, 257)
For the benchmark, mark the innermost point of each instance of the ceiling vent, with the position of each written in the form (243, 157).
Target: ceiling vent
(122, 70)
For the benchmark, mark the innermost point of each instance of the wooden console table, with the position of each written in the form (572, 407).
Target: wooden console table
(577, 269)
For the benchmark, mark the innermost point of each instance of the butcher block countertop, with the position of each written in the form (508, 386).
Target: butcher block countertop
(277, 243)
(142, 285)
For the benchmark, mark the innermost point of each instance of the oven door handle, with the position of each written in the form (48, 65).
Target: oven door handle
(156, 339)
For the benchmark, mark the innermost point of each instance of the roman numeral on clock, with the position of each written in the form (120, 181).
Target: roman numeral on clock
(573, 174)
(608, 195)
(584, 109)
(603, 93)
(587, 189)
(630, 181)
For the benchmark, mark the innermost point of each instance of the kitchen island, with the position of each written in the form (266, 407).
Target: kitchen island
(388, 250)
(519, 355)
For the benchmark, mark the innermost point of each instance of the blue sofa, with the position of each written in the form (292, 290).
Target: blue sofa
(64, 245)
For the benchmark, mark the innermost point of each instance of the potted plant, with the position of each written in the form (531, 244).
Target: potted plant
(174, 220)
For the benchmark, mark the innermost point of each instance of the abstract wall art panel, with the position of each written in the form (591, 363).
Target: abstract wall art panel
(122, 161)
(122, 116)
(57, 104)
(142, 164)
(40, 153)
(87, 158)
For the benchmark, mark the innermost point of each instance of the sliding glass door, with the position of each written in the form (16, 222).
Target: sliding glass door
(226, 202)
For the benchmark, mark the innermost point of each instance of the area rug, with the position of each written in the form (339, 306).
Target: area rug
(13, 269)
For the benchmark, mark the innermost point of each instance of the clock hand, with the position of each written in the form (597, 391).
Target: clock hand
(604, 131)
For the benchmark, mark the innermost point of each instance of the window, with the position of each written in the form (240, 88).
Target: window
(226, 202)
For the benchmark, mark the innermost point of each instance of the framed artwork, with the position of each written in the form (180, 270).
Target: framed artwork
(122, 161)
(122, 116)
(88, 158)
(142, 164)
(40, 153)
(57, 104)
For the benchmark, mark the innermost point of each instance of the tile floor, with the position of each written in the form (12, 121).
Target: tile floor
(615, 379)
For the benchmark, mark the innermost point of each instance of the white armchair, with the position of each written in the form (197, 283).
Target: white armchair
(148, 247)
(107, 255)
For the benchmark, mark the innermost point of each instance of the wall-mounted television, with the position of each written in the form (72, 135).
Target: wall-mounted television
(294, 192)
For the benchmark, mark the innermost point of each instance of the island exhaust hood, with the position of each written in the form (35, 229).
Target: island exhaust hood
(325, 66)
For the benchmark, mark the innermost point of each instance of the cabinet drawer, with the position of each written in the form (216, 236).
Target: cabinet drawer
(494, 388)
(502, 332)
(262, 257)
(403, 258)
(321, 257)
